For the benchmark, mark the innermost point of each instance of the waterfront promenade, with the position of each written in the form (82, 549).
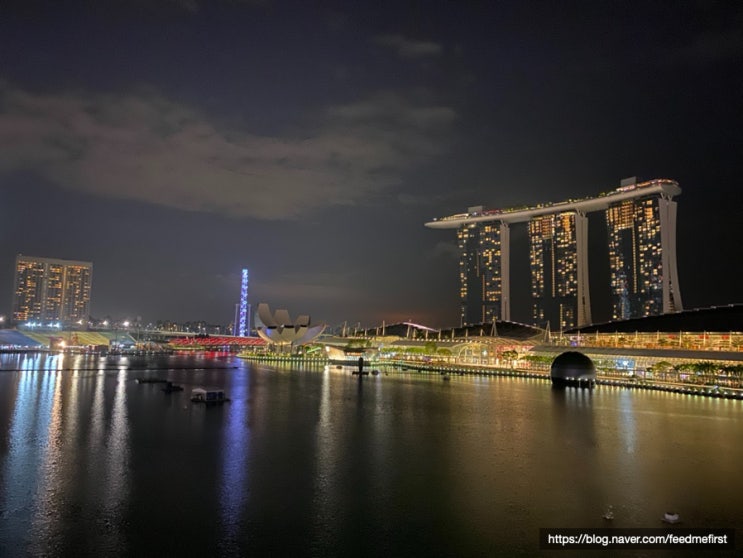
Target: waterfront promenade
(707, 365)
(707, 379)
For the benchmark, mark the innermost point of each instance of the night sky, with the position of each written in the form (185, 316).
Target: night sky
(173, 143)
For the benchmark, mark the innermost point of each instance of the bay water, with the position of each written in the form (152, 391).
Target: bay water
(314, 461)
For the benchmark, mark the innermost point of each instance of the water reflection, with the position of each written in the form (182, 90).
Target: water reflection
(235, 451)
(573, 416)
(325, 496)
(97, 419)
(577, 456)
(117, 468)
(46, 527)
(627, 426)
(28, 437)
(309, 462)
(78, 488)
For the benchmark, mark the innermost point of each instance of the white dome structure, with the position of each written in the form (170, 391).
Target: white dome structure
(279, 329)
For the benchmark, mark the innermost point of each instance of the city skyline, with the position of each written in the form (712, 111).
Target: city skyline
(175, 143)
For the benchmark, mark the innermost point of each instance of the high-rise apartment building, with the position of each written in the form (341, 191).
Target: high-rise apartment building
(47, 289)
(641, 220)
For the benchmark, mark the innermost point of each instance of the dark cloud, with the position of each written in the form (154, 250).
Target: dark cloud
(146, 147)
(409, 48)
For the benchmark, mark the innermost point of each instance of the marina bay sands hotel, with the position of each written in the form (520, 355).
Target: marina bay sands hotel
(641, 224)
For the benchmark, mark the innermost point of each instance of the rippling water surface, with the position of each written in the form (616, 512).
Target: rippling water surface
(315, 462)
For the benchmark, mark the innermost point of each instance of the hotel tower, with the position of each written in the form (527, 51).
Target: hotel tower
(641, 223)
(53, 290)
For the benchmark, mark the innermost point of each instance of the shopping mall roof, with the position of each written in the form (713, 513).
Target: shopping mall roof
(510, 330)
(714, 319)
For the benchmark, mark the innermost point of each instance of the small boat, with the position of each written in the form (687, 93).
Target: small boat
(671, 517)
(609, 515)
(170, 387)
(151, 381)
(446, 378)
(208, 396)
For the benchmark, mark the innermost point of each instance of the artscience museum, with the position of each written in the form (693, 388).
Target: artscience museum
(279, 329)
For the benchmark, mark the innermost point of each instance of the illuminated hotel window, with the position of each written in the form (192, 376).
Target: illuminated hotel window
(635, 256)
(51, 289)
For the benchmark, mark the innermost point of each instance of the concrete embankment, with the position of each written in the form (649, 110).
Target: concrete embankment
(602, 380)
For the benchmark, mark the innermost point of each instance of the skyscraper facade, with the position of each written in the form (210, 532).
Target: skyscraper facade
(553, 262)
(558, 267)
(470, 292)
(490, 250)
(47, 289)
(480, 280)
(641, 258)
(641, 220)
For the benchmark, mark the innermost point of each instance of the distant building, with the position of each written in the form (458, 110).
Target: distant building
(641, 220)
(51, 290)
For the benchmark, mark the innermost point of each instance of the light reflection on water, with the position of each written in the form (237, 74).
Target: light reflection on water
(116, 479)
(236, 448)
(27, 443)
(313, 462)
(47, 499)
(325, 496)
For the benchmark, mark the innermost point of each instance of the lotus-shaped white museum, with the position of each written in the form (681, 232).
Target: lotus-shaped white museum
(279, 329)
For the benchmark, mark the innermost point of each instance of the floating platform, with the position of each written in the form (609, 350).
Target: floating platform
(208, 396)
